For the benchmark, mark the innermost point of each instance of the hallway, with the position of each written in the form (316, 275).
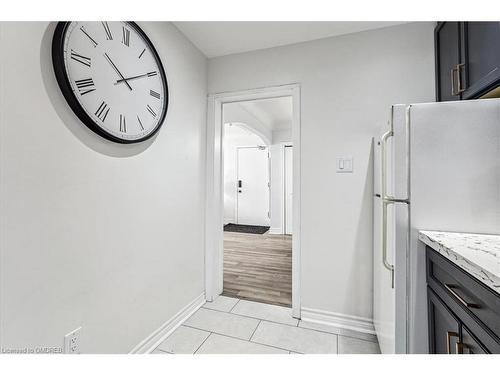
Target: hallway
(258, 267)
(234, 326)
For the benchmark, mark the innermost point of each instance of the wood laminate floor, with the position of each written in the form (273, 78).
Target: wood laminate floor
(258, 267)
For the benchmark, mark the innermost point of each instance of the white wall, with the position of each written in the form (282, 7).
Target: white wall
(282, 135)
(347, 86)
(234, 112)
(234, 136)
(105, 236)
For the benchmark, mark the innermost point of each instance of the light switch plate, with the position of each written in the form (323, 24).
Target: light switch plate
(345, 164)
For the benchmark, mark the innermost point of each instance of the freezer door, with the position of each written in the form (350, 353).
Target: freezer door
(455, 184)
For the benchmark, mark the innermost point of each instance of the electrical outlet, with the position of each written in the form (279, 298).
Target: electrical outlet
(72, 342)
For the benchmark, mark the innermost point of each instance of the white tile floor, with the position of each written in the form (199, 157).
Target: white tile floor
(233, 326)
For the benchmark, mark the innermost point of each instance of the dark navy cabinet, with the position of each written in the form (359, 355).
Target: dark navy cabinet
(467, 59)
(464, 314)
(447, 45)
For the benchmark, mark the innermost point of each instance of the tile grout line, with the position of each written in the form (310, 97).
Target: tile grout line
(196, 351)
(253, 342)
(339, 334)
(253, 317)
(237, 338)
(164, 351)
(232, 308)
(253, 333)
(265, 320)
(212, 309)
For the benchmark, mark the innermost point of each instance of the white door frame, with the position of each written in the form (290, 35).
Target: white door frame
(283, 182)
(214, 218)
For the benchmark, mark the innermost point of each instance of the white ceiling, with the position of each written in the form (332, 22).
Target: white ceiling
(275, 113)
(225, 38)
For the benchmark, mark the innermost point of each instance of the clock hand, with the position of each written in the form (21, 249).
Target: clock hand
(116, 69)
(135, 77)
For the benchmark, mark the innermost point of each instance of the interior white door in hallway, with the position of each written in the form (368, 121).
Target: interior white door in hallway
(253, 186)
(288, 189)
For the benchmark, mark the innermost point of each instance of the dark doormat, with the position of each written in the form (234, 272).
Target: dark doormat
(252, 229)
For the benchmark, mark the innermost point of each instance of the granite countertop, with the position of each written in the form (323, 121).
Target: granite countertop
(477, 254)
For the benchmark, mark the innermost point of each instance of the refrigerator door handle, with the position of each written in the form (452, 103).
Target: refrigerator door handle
(386, 198)
(385, 202)
(385, 262)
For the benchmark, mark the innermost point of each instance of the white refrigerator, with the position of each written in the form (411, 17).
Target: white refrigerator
(436, 167)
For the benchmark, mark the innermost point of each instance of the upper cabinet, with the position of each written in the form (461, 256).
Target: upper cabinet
(467, 59)
(447, 41)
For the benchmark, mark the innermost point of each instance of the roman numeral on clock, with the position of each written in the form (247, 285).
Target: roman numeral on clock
(81, 59)
(107, 30)
(123, 124)
(142, 53)
(85, 85)
(154, 94)
(125, 36)
(102, 111)
(152, 74)
(153, 113)
(88, 36)
(140, 123)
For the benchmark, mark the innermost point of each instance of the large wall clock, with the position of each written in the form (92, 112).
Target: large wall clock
(112, 77)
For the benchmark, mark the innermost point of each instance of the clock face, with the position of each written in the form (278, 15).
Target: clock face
(112, 77)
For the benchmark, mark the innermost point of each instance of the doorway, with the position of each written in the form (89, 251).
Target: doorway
(257, 264)
(216, 189)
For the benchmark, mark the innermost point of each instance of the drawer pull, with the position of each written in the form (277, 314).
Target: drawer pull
(450, 287)
(461, 347)
(449, 335)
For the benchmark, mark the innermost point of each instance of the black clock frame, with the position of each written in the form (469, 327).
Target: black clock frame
(69, 95)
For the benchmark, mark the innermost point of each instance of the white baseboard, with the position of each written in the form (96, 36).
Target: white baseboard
(354, 323)
(152, 341)
(275, 231)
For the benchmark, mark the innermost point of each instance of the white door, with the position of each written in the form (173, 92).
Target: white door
(288, 189)
(253, 186)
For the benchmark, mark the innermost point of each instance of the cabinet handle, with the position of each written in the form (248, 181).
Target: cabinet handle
(452, 76)
(459, 78)
(450, 287)
(449, 335)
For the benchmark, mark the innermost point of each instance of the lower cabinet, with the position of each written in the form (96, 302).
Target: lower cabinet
(469, 344)
(447, 335)
(464, 314)
(444, 328)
